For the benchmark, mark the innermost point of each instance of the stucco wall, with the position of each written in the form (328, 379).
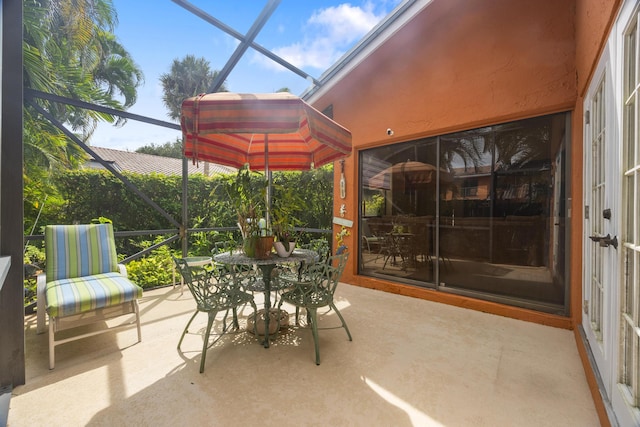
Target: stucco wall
(593, 20)
(462, 64)
(458, 64)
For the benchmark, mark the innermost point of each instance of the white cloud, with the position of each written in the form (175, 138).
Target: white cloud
(327, 35)
(344, 23)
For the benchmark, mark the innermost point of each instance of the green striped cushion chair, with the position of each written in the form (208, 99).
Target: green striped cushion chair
(82, 276)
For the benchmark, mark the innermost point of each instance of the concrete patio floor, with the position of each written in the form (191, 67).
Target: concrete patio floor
(411, 363)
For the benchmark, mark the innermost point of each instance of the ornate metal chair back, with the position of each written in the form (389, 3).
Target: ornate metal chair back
(209, 287)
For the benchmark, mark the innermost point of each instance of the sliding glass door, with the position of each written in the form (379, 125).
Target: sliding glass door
(480, 212)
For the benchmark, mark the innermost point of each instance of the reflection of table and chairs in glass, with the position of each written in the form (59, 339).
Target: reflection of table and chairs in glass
(267, 266)
(398, 245)
(401, 241)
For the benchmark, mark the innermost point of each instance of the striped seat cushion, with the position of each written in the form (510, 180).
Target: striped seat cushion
(79, 250)
(80, 294)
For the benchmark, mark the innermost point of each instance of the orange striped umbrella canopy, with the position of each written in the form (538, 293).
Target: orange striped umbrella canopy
(272, 131)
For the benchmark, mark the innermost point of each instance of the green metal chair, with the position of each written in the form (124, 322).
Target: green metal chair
(215, 291)
(285, 275)
(321, 246)
(315, 290)
(297, 271)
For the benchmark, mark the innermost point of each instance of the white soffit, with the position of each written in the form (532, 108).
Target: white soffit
(397, 19)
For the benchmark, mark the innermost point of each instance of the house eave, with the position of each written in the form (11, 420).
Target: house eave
(397, 19)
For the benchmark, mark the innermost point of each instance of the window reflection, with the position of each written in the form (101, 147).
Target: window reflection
(480, 212)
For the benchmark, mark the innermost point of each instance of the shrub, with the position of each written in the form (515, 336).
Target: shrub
(34, 263)
(154, 270)
(89, 194)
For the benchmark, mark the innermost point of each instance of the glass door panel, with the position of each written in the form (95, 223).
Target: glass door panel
(480, 212)
(398, 208)
(496, 233)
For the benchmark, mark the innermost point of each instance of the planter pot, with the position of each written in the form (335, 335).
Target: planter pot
(282, 251)
(273, 321)
(258, 247)
(249, 246)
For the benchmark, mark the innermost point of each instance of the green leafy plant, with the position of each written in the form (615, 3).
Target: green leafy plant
(88, 194)
(287, 203)
(34, 263)
(154, 270)
(246, 195)
(101, 220)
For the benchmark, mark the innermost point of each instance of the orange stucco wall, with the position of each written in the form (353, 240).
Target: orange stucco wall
(461, 64)
(593, 22)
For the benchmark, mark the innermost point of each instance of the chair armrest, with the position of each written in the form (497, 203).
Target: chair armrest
(123, 270)
(41, 283)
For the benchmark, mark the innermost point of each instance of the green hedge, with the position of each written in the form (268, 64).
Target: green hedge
(90, 194)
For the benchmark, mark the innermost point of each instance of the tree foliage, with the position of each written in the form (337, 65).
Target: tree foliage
(188, 77)
(89, 194)
(168, 149)
(69, 50)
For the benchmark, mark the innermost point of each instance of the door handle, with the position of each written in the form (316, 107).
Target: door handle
(606, 241)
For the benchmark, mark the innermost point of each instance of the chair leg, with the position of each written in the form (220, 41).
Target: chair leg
(40, 304)
(297, 316)
(137, 311)
(344, 324)
(386, 259)
(313, 313)
(278, 319)
(236, 324)
(212, 316)
(224, 319)
(255, 318)
(186, 329)
(52, 344)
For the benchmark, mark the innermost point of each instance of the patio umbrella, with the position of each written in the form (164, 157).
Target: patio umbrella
(414, 173)
(273, 131)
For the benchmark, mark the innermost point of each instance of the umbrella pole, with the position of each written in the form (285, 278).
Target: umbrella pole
(267, 174)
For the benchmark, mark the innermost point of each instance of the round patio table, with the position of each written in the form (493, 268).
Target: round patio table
(266, 266)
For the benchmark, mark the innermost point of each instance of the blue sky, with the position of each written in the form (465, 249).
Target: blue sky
(310, 34)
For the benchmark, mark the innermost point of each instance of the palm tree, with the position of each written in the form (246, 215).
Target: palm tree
(188, 77)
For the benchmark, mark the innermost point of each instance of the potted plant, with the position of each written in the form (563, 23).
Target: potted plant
(286, 205)
(247, 198)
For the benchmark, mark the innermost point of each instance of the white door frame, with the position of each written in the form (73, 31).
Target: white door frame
(597, 265)
(606, 344)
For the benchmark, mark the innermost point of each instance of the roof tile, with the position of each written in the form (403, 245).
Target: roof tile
(130, 161)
